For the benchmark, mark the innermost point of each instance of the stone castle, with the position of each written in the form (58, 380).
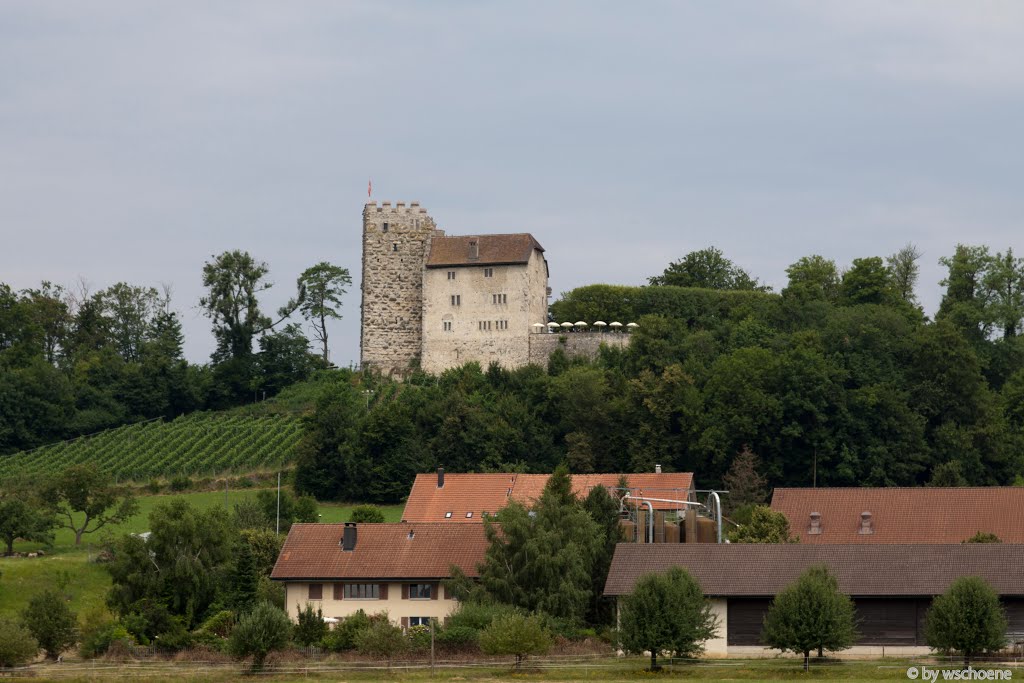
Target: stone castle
(437, 301)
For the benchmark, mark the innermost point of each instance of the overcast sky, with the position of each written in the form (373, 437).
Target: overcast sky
(139, 138)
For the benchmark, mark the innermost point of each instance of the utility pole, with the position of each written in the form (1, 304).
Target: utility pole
(432, 621)
(279, 503)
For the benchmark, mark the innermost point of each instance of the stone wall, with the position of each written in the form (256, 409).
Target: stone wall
(396, 240)
(587, 344)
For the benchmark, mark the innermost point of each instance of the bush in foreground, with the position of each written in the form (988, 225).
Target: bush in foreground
(51, 622)
(382, 639)
(260, 632)
(967, 618)
(17, 646)
(516, 634)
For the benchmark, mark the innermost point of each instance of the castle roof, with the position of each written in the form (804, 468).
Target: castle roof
(482, 250)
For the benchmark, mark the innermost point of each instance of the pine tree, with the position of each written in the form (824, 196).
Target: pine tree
(244, 578)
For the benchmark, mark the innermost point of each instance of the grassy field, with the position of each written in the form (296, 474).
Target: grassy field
(87, 582)
(610, 670)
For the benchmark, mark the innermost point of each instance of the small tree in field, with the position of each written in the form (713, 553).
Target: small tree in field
(666, 612)
(51, 622)
(17, 646)
(86, 500)
(516, 634)
(263, 630)
(310, 628)
(811, 614)
(967, 618)
(382, 639)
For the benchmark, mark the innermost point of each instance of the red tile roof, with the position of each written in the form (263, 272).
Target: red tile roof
(487, 492)
(752, 569)
(493, 250)
(904, 515)
(382, 551)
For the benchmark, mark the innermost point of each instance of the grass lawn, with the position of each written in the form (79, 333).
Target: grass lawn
(87, 582)
(609, 670)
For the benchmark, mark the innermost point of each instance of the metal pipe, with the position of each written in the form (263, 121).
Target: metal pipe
(718, 513)
(650, 513)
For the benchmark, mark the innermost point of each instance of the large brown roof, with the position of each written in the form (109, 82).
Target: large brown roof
(904, 515)
(382, 551)
(753, 569)
(489, 492)
(493, 250)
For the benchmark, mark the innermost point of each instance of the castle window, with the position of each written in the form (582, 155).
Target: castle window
(451, 274)
(499, 298)
(394, 246)
(447, 325)
(456, 299)
(384, 227)
(488, 272)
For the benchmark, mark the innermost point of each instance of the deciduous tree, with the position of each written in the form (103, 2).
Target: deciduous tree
(86, 500)
(51, 622)
(766, 526)
(666, 612)
(967, 618)
(260, 632)
(516, 634)
(811, 614)
(322, 287)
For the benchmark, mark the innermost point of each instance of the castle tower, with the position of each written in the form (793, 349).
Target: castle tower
(396, 241)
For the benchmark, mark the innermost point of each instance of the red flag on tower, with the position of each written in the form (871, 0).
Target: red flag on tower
(369, 188)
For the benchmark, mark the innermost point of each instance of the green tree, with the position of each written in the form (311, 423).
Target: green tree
(243, 579)
(983, 537)
(867, 281)
(310, 628)
(541, 559)
(130, 311)
(603, 509)
(948, 474)
(516, 634)
(745, 484)
(382, 639)
(263, 630)
(965, 301)
(1003, 287)
(766, 526)
(24, 518)
(708, 269)
(233, 281)
(283, 360)
(366, 514)
(17, 645)
(811, 614)
(666, 612)
(322, 287)
(51, 622)
(967, 618)
(813, 278)
(86, 500)
(904, 272)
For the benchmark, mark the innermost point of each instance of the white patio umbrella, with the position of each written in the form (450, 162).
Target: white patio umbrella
(600, 323)
(537, 325)
(567, 325)
(632, 325)
(552, 326)
(615, 324)
(580, 323)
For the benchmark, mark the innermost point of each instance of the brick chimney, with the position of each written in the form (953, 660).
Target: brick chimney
(474, 249)
(815, 527)
(348, 538)
(440, 477)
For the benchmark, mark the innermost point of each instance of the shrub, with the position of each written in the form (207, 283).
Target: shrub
(811, 614)
(666, 612)
(99, 632)
(220, 624)
(346, 633)
(366, 514)
(263, 630)
(17, 645)
(270, 591)
(153, 486)
(419, 638)
(477, 616)
(516, 634)
(310, 627)
(382, 639)
(180, 483)
(306, 509)
(967, 618)
(458, 636)
(51, 622)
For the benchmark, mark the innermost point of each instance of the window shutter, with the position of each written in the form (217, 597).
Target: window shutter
(383, 591)
(316, 591)
(405, 622)
(339, 591)
(435, 590)
(405, 591)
